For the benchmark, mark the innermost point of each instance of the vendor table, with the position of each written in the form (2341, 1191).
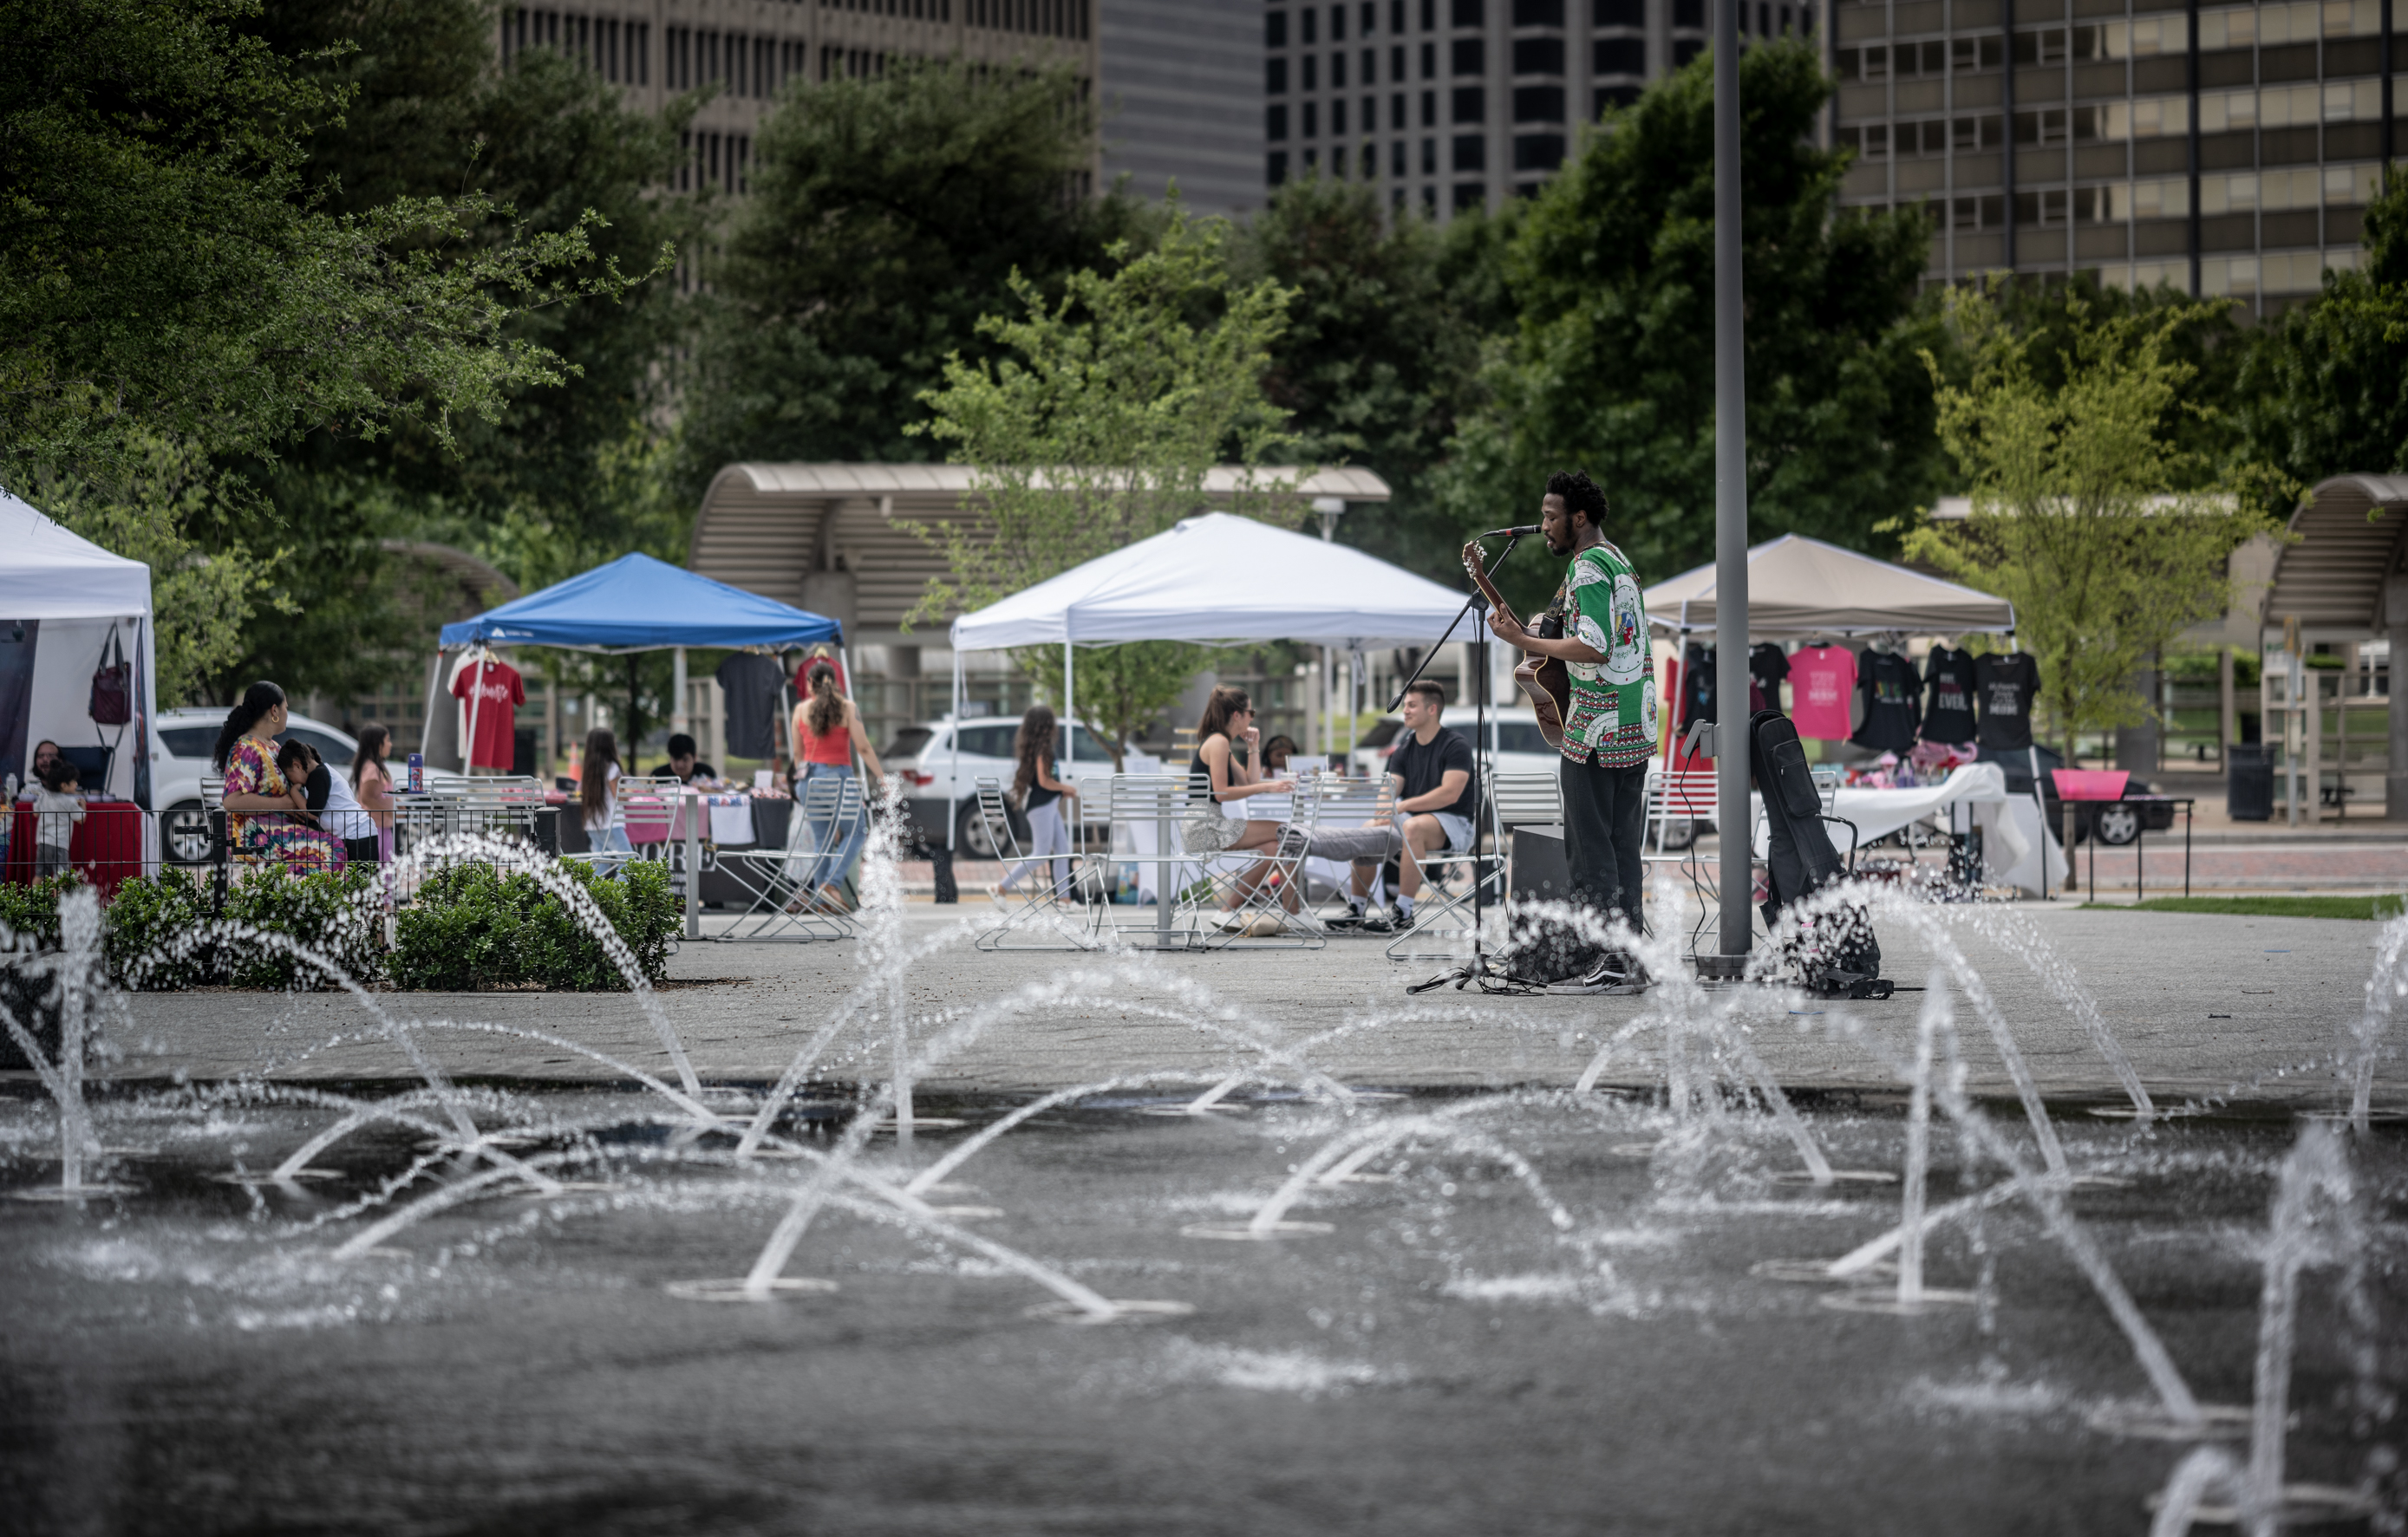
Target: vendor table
(105, 848)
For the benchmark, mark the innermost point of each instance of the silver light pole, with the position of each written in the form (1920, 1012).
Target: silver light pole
(1731, 815)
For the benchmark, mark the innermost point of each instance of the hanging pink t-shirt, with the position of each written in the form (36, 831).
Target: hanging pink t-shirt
(1822, 680)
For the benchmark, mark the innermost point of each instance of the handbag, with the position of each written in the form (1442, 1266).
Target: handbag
(113, 687)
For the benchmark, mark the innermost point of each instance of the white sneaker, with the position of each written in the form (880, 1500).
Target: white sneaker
(996, 894)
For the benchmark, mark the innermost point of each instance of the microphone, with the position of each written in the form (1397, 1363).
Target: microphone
(1524, 531)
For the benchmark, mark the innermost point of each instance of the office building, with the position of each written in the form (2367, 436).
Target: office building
(1179, 79)
(1458, 103)
(2228, 150)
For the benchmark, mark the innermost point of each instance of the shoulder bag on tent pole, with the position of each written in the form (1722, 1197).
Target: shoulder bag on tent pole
(113, 687)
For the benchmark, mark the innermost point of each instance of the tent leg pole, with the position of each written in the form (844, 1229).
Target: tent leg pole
(681, 717)
(693, 804)
(476, 703)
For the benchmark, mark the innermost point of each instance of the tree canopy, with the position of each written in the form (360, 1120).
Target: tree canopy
(885, 216)
(1609, 368)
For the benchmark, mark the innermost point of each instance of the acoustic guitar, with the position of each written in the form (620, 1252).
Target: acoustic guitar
(1545, 679)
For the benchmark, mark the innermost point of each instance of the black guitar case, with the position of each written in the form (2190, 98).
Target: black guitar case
(1838, 955)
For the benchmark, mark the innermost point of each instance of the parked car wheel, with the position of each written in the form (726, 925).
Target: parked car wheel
(2118, 825)
(184, 832)
(976, 838)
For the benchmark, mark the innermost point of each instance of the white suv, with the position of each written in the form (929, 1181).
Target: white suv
(179, 756)
(937, 791)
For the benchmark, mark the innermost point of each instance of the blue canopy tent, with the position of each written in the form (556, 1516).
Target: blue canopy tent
(639, 604)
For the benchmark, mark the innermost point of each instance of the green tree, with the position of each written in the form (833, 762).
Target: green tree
(2081, 513)
(1610, 367)
(174, 296)
(2325, 388)
(1097, 429)
(885, 217)
(1379, 355)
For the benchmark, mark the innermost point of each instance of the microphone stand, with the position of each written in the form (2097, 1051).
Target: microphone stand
(1480, 968)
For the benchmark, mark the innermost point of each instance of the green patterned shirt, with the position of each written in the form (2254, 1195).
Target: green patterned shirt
(1613, 702)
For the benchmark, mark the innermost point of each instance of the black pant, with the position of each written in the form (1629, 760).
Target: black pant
(361, 850)
(1605, 827)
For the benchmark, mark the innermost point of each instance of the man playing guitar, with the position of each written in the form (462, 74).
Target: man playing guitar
(1610, 726)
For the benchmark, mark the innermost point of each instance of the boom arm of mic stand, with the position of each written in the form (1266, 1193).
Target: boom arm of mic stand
(1475, 601)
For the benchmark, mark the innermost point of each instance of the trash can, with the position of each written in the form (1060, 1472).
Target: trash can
(2249, 782)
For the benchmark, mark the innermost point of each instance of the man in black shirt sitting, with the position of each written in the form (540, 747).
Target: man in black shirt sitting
(683, 762)
(1435, 807)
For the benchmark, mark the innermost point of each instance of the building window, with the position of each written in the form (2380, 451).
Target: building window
(1689, 13)
(1470, 55)
(1537, 55)
(1309, 66)
(1397, 65)
(1430, 108)
(1370, 161)
(1305, 19)
(1370, 16)
(1396, 113)
(1621, 13)
(1276, 172)
(1429, 157)
(1371, 67)
(1615, 95)
(1538, 104)
(1275, 30)
(1470, 104)
(1975, 133)
(1471, 152)
(1429, 14)
(1538, 151)
(1311, 123)
(1397, 160)
(1370, 114)
(1395, 15)
(1338, 23)
(1538, 13)
(1685, 50)
(1466, 13)
(1275, 77)
(1337, 72)
(1397, 201)
(1337, 118)
(1620, 56)
(1429, 202)
(1275, 123)
(1469, 194)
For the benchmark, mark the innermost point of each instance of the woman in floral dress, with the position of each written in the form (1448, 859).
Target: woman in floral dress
(260, 808)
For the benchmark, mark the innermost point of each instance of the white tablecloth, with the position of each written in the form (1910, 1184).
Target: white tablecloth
(2013, 840)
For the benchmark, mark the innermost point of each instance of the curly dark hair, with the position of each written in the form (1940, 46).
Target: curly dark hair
(1580, 494)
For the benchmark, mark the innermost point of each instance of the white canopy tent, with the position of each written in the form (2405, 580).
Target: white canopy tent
(1216, 578)
(1798, 588)
(63, 599)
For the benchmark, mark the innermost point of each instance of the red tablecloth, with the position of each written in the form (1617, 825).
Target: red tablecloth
(107, 846)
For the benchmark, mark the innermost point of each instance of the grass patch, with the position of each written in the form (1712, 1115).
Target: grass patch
(2364, 909)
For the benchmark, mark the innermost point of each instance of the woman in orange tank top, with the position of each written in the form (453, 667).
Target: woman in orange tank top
(828, 736)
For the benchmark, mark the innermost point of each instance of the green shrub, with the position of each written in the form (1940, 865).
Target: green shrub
(32, 911)
(158, 940)
(472, 927)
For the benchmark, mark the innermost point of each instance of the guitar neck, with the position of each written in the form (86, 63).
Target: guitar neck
(1480, 579)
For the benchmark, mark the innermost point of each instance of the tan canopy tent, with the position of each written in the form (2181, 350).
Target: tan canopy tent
(1798, 588)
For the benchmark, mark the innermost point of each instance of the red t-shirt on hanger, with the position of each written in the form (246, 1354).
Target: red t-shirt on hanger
(496, 711)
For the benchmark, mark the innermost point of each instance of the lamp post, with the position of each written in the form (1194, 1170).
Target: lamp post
(1732, 817)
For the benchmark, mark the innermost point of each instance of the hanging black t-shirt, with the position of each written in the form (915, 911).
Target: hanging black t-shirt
(1893, 701)
(2005, 687)
(1948, 715)
(1423, 767)
(1768, 664)
(750, 683)
(1697, 683)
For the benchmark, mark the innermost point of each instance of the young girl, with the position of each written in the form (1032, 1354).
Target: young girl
(1219, 781)
(58, 805)
(329, 800)
(1041, 795)
(827, 737)
(598, 799)
(372, 784)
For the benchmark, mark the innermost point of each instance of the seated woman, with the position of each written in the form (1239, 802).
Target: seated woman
(267, 817)
(1218, 781)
